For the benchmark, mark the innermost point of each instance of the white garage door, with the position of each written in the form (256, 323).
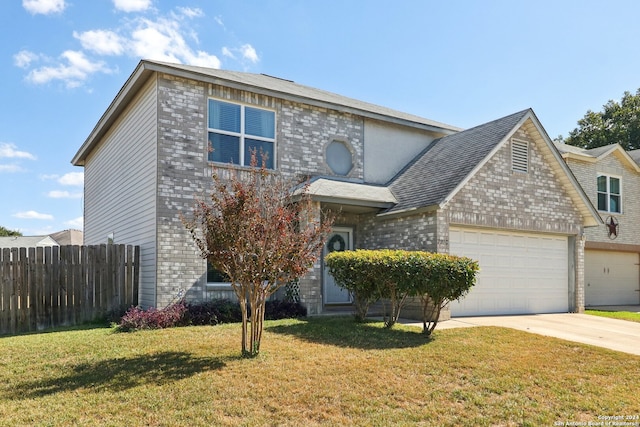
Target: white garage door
(520, 273)
(611, 278)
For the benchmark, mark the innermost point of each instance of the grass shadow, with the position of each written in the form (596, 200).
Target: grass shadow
(346, 332)
(120, 374)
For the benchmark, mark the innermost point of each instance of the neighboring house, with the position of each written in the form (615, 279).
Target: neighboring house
(611, 178)
(499, 193)
(27, 242)
(68, 237)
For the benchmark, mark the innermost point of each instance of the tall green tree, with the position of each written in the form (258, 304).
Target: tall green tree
(618, 122)
(4, 232)
(254, 231)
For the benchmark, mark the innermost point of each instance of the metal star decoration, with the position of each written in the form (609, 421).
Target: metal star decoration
(612, 227)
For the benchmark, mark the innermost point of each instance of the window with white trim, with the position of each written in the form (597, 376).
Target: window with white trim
(519, 156)
(235, 130)
(609, 194)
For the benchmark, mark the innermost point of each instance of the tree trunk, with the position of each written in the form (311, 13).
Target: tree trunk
(243, 310)
(429, 325)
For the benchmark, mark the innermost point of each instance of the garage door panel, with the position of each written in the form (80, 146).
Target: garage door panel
(611, 278)
(519, 273)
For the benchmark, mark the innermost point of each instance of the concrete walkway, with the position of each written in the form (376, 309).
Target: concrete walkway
(614, 334)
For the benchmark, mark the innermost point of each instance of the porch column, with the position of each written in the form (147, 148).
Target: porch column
(311, 283)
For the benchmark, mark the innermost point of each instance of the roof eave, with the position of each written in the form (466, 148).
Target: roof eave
(191, 74)
(590, 215)
(408, 211)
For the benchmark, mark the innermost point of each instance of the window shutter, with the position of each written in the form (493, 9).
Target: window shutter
(519, 156)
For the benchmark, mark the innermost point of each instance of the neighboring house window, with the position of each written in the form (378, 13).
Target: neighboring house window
(609, 195)
(235, 130)
(519, 156)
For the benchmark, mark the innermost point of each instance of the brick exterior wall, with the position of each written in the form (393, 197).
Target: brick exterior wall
(182, 176)
(495, 197)
(302, 134)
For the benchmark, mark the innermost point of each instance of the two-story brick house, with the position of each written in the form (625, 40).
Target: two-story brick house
(611, 178)
(499, 192)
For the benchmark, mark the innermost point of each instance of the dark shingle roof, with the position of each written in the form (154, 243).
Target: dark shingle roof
(446, 162)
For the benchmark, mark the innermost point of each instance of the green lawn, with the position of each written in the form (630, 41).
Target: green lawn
(324, 371)
(623, 315)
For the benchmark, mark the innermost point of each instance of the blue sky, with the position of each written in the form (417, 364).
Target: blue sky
(458, 62)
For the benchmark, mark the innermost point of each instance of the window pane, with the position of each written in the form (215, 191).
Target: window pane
(259, 122)
(602, 202)
(215, 276)
(224, 116)
(226, 148)
(260, 147)
(614, 185)
(602, 184)
(614, 204)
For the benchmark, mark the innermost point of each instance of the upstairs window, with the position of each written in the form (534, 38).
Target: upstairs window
(609, 195)
(519, 156)
(235, 130)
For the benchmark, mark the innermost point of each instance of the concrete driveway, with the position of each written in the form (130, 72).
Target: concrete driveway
(620, 335)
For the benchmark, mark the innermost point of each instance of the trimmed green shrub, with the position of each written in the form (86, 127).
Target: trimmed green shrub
(394, 275)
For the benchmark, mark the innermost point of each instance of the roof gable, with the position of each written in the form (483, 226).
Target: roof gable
(447, 162)
(437, 175)
(597, 154)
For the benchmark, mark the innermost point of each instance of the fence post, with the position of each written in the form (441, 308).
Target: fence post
(136, 275)
(5, 291)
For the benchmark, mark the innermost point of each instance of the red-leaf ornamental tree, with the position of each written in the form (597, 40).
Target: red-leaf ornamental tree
(254, 230)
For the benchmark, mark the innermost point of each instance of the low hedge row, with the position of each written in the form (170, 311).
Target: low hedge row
(212, 312)
(393, 275)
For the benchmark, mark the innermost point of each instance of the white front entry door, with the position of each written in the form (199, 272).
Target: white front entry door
(340, 239)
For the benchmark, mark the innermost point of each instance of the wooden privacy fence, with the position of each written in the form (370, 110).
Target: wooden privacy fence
(44, 287)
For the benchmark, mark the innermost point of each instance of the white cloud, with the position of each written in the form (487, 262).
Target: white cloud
(163, 40)
(72, 178)
(73, 71)
(170, 37)
(10, 151)
(24, 58)
(132, 5)
(190, 12)
(33, 215)
(77, 223)
(227, 52)
(102, 42)
(10, 168)
(58, 194)
(249, 53)
(246, 52)
(43, 7)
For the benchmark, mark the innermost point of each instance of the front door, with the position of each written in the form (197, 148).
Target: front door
(340, 239)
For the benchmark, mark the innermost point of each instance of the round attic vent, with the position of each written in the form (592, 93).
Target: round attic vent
(339, 158)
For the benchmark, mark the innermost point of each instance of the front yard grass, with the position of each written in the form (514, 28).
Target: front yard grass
(623, 315)
(321, 371)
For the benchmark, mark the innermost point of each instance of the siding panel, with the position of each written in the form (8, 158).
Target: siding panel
(125, 204)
